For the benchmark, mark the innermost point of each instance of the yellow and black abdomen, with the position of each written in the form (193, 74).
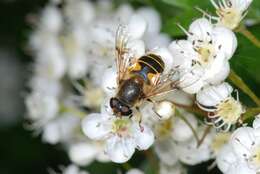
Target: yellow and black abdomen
(148, 66)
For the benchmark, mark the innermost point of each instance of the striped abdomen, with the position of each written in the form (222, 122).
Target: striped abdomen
(147, 66)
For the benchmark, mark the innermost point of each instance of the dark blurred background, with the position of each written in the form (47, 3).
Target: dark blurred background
(20, 151)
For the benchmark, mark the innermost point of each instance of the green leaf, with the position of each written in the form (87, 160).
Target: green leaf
(246, 61)
(185, 16)
(254, 11)
(177, 3)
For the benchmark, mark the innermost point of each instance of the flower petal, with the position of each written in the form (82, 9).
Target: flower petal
(137, 47)
(241, 5)
(192, 81)
(152, 19)
(143, 135)
(166, 151)
(82, 153)
(183, 53)
(181, 131)
(212, 95)
(225, 157)
(137, 26)
(221, 75)
(242, 141)
(224, 40)
(134, 171)
(201, 29)
(119, 149)
(95, 126)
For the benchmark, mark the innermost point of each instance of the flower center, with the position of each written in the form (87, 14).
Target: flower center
(69, 44)
(121, 126)
(206, 51)
(219, 140)
(255, 158)
(230, 110)
(229, 17)
(164, 128)
(93, 97)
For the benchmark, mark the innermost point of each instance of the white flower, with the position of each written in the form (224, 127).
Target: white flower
(165, 109)
(73, 169)
(74, 46)
(230, 12)
(109, 81)
(224, 110)
(152, 19)
(204, 55)
(51, 19)
(226, 159)
(50, 61)
(82, 153)
(41, 107)
(79, 12)
(166, 151)
(172, 169)
(246, 145)
(45, 86)
(134, 171)
(60, 130)
(181, 131)
(122, 135)
(190, 154)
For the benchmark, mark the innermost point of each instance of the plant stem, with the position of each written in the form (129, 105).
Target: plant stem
(72, 110)
(244, 31)
(251, 112)
(189, 125)
(206, 132)
(235, 79)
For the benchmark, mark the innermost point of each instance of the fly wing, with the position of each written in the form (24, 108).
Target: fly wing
(124, 56)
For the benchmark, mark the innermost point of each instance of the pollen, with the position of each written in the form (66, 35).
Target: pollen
(121, 126)
(93, 97)
(255, 158)
(229, 17)
(219, 140)
(230, 110)
(164, 128)
(206, 52)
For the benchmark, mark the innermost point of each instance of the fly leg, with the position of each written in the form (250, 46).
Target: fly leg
(139, 118)
(154, 103)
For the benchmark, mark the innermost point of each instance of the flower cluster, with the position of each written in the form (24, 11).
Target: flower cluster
(75, 78)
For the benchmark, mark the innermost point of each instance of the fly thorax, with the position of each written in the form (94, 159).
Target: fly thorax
(229, 110)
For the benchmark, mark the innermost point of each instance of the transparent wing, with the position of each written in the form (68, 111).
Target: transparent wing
(124, 57)
(171, 81)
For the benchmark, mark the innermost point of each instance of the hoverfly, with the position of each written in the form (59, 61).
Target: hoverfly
(138, 78)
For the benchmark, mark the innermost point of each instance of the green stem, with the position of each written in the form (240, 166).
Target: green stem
(127, 166)
(72, 110)
(250, 112)
(189, 125)
(250, 36)
(235, 79)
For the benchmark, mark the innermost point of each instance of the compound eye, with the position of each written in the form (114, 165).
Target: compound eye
(126, 111)
(113, 102)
